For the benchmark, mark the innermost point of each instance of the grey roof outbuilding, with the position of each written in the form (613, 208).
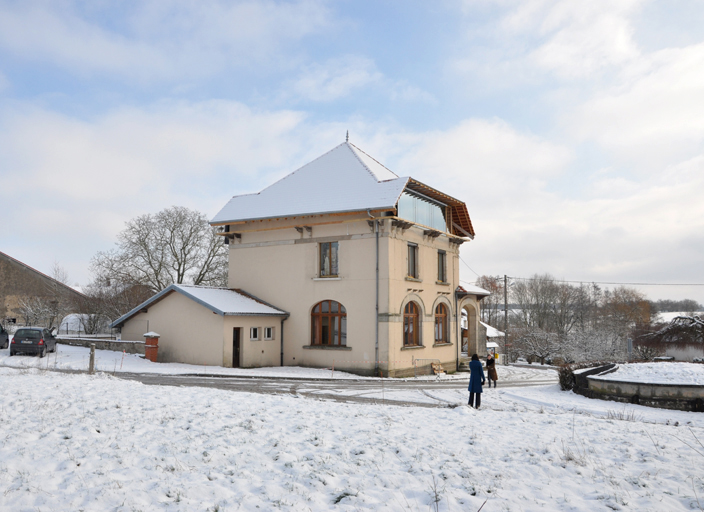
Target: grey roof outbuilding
(222, 301)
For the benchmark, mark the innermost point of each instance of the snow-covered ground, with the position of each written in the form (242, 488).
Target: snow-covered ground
(658, 373)
(668, 316)
(79, 442)
(76, 358)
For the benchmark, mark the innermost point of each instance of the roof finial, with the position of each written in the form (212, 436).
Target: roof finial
(347, 137)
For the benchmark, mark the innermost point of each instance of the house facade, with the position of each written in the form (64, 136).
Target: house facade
(366, 263)
(359, 266)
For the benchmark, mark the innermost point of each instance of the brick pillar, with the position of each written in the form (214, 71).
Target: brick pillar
(151, 347)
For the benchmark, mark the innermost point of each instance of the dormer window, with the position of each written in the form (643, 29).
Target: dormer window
(422, 210)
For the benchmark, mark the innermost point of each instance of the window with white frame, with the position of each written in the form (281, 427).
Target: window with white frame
(413, 261)
(442, 266)
(328, 259)
(268, 333)
(254, 333)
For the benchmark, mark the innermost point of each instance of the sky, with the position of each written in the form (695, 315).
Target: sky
(574, 131)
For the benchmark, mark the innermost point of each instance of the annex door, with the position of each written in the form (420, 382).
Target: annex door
(236, 347)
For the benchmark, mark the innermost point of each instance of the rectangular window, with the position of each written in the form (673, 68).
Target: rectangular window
(254, 333)
(328, 259)
(268, 333)
(413, 261)
(442, 266)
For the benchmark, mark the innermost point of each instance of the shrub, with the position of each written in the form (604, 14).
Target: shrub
(566, 377)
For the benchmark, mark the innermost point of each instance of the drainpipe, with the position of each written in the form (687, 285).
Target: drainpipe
(282, 339)
(458, 332)
(376, 341)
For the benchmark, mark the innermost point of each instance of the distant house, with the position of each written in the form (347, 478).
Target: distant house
(29, 296)
(364, 263)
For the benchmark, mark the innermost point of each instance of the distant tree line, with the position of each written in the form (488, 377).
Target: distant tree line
(554, 320)
(670, 306)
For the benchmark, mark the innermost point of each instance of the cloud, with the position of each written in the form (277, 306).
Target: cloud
(538, 41)
(153, 40)
(335, 79)
(576, 39)
(653, 115)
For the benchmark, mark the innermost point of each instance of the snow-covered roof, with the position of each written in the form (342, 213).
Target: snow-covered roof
(223, 301)
(492, 332)
(471, 289)
(345, 179)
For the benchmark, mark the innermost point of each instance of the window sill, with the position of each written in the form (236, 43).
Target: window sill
(442, 344)
(443, 283)
(412, 347)
(414, 279)
(326, 347)
(331, 278)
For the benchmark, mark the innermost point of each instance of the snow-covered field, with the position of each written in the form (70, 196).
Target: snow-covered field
(668, 316)
(79, 442)
(658, 373)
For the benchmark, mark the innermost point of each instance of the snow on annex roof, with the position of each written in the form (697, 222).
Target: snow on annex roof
(223, 301)
(345, 179)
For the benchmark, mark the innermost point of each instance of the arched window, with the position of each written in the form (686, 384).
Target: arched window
(411, 325)
(329, 324)
(441, 324)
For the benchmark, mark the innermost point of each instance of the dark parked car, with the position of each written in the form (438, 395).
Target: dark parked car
(4, 338)
(33, 340)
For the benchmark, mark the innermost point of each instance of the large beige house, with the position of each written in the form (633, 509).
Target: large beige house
(360, 265)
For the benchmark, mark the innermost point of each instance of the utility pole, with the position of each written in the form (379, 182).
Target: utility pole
(506, 318)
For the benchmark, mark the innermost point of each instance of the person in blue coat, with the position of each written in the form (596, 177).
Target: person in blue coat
(476, 379)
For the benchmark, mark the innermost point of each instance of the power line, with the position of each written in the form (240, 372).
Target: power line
(470, 268)
(595, 282)
(607, 282)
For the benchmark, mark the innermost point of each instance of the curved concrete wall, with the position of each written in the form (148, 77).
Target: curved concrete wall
(664, 396)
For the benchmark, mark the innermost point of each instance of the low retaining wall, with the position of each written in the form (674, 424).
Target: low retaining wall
(131, 347)
(665, 396)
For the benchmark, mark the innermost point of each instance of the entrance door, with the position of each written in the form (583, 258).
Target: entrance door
(236, 347)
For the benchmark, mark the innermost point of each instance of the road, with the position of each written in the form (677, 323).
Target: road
(387, 391)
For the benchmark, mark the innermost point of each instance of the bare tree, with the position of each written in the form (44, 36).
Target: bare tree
(537, 343)
(105, 301)
(492, 307)
(176, 245)
(39, 311)
(682, 329)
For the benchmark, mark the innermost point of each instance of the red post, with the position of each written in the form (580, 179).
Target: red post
(151, 347)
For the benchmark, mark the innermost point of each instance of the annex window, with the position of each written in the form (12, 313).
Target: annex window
(328, 259)
(268, 333)
(254, 333)
(413, 261)
(441, 324)
(442, 266)
(411, 325)
(329, 324)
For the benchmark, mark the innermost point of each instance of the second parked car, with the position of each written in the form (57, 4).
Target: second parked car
(33, 340)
